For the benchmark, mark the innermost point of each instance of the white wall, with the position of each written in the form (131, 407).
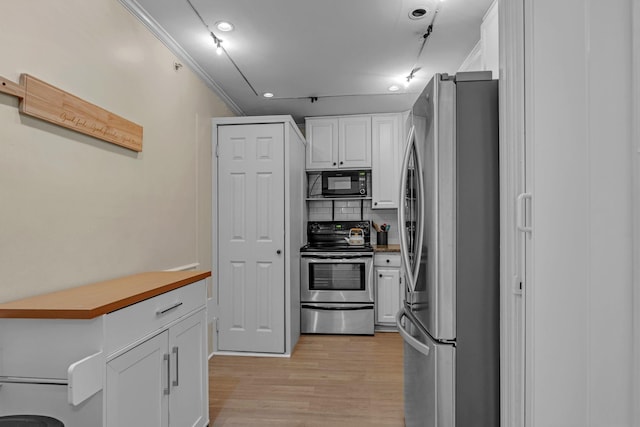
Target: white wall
(579, 298)
(74, 209)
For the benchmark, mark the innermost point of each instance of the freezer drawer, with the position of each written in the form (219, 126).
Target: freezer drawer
(429, 377)
(329, 318)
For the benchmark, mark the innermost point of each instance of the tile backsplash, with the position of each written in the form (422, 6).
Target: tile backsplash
(349, 209)
(354, 210)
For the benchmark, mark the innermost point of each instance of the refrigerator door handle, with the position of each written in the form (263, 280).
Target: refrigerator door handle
(421, 347)
(404, 250)
(521, 206)
(421, 212)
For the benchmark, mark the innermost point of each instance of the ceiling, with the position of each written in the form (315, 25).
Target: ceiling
(345, 53)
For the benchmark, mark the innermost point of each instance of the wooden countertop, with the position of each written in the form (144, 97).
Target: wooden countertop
(90, 301)
(386, 248)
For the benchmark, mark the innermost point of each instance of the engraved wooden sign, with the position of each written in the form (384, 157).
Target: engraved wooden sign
(46, 102)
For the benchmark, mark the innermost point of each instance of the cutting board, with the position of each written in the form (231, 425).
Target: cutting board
(46, 102)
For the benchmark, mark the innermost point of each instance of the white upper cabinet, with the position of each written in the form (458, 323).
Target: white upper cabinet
(338, 142)
(322, 143)
(386, 160)
(354, 150)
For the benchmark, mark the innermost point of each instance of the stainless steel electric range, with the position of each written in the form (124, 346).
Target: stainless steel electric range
(337, 279)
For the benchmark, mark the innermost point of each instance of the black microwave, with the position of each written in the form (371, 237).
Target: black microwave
(344, 183)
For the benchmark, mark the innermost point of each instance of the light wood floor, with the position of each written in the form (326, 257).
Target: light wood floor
(330, 380)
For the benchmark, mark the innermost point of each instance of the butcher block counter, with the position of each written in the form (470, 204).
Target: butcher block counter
(88, 356)
(89, 301)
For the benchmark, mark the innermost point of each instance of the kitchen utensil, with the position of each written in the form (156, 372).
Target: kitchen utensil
(382, 238)
(356, 237)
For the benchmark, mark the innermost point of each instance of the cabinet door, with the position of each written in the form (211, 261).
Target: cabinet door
(251, 240)
(322, 143)
(355, 142)
(188, 400)
(137, 385)
(386, 161)
(387, 301)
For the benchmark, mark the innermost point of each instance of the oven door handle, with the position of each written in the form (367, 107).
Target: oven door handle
(334, 258)
(342, 308)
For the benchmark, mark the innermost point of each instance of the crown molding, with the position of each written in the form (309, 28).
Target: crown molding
(139, 12)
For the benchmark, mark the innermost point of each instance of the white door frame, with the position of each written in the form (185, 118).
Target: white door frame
(635, 155)
(512, 103)
(512, 183)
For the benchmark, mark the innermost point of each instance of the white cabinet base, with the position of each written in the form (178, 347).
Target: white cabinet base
(389, 290)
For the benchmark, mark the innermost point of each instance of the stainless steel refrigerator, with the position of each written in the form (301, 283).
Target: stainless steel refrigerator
(450, 253)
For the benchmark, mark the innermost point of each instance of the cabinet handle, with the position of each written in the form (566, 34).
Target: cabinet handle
(380, 275)
(176, 381)
(168, 309)
(167, 358)
(334, 163)
(388, 260)
(341, 163)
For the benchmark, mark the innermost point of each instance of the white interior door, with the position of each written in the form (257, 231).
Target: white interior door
(251, 238)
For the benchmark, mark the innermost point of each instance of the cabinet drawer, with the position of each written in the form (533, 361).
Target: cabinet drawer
(123, 327)
(386, 260)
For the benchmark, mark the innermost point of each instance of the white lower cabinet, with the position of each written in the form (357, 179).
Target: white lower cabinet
(161, 382)
(133, 383)
(389, 291)
(133, 354)
(188, 398)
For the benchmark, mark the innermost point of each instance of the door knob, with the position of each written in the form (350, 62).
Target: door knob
(278, 251)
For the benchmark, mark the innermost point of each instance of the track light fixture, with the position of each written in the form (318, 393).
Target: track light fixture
(425, 38)
(410, 77)
(217, 42)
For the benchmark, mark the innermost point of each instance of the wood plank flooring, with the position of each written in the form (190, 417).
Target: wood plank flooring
(330, 380)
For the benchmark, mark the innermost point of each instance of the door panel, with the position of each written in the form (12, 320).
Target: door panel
(386, 161)
(355, 142)
(238, 197)
(238, 285)
(429, 378)
(387, 304)
(188, 403)
(433, 301)
(136, 385)
(251, 233)
(266, 289)
(322, 138)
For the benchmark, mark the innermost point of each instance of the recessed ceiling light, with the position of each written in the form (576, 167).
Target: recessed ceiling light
(224, 26)
(418, 13)
(267, 95)
(394, 88)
